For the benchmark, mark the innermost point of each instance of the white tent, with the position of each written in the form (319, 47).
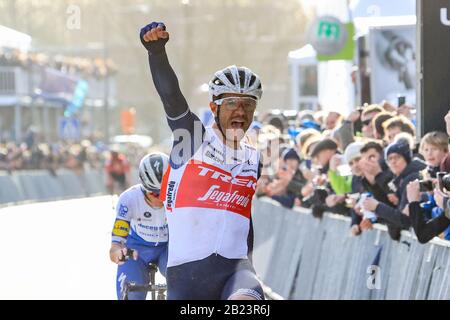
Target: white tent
(14, 39)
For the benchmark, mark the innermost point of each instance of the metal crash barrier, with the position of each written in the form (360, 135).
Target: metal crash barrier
(296, 255)
(39, 185)
(301, 257)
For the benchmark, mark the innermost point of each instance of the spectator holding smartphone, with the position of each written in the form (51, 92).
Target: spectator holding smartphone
(405, 169)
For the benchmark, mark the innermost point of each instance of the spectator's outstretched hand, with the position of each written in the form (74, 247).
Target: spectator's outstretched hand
(355, 230)
(370, 167)
(334, 199)
(406, 211)
(366, 225)
(413, 191)
(393, 199)
(439, 197)
(370, 204)
(354, 116)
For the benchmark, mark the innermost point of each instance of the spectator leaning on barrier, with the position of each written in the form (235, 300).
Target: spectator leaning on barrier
(405, 169)
(424, 227)
(376, 174)
(434, 149)
(304, 141)
(445, 164)
(376, 178)
(321, 154)
(340, 186)
(352, 156)
(281, 189)
(428, 218)
(298, 180)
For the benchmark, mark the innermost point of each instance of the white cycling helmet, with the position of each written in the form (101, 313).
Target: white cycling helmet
(151, 170)
(234, 79)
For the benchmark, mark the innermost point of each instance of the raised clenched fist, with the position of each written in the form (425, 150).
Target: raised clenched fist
(154, 37)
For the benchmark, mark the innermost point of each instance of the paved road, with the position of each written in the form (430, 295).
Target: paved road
(58, 250)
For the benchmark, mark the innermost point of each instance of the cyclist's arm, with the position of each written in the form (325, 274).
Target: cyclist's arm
(121, 227)
(179, 117)
(166, 83)
(116, 252)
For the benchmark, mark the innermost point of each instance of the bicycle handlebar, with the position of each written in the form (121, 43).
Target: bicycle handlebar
(128, 256)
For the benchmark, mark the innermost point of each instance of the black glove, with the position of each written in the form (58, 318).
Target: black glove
(153, 47)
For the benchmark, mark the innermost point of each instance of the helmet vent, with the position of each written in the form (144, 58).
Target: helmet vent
(242, 79)
(252, 80)
(229, 76)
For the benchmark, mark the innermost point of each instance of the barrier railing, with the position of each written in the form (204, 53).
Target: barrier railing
(296, 255)
(33, 186)
(301, 257)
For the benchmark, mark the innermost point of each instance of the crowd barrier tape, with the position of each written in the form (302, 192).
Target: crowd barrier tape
(39, 185)
(300, 257)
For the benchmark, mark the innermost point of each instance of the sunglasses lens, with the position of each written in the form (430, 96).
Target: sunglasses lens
(246, 103)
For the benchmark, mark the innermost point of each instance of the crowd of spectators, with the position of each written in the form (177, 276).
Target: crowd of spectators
(97, 67)
(76, 156)
(368, 166)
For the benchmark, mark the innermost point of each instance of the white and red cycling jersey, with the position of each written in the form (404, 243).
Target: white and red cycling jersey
(208, 201)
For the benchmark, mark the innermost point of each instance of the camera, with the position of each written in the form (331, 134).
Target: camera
(357, 125)
(351, 199)
(318, 202)
(443, 181)
(426, 185)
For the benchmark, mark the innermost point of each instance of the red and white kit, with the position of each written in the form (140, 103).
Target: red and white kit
(208, 201)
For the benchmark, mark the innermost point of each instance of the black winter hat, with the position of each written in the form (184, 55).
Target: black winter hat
(400, 147)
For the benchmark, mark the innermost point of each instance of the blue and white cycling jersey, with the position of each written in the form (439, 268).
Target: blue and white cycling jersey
(137, 222)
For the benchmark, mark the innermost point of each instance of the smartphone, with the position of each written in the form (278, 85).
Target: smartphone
(426, 185)
(401, 100)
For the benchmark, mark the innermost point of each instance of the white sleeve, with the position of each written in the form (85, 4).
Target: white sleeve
(121, 227)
